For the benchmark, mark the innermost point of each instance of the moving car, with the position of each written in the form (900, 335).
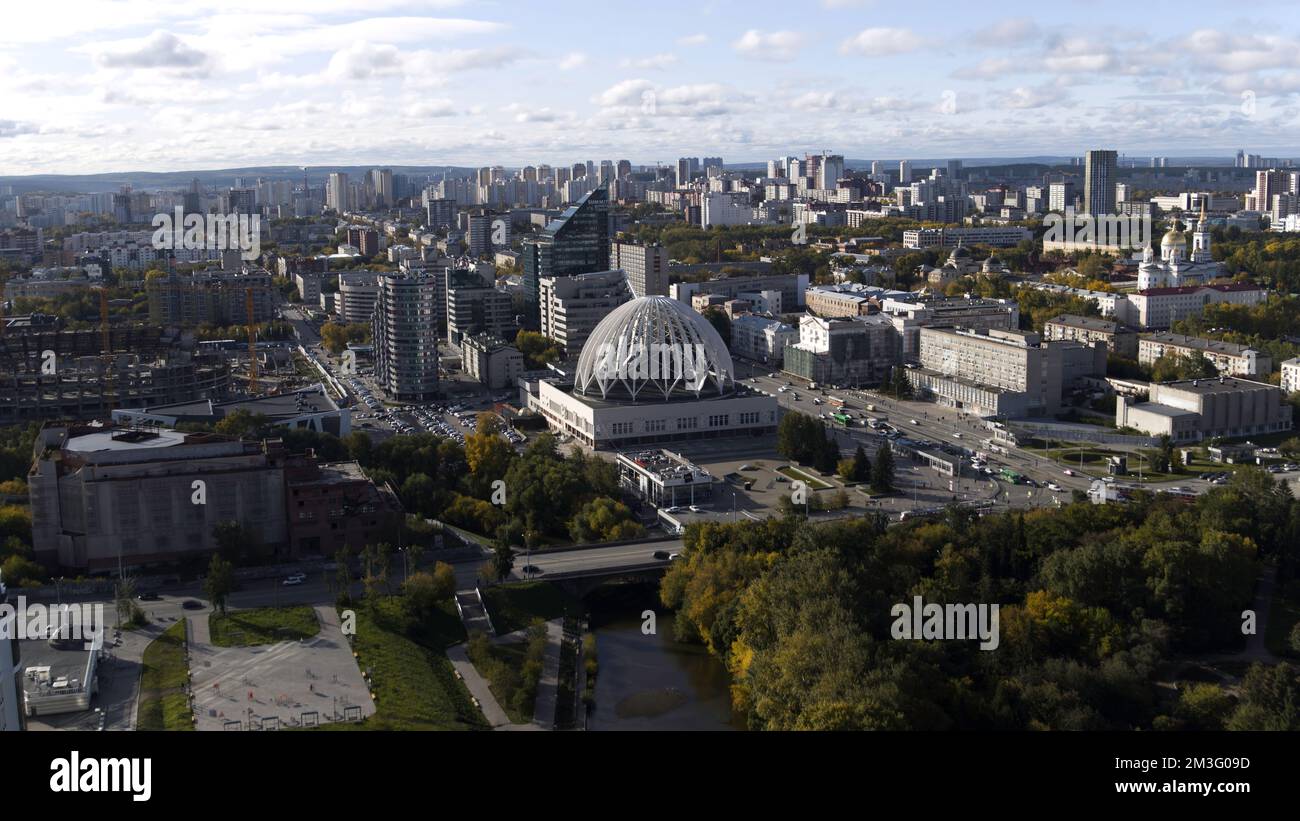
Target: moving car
(915, 422)
(149, 597)
(662, 555)
(192, 604)
(291, 581)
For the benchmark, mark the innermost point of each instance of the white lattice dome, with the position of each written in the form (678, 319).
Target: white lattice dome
(653, 345)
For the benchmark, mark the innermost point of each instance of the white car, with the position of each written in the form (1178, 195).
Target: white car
(956, 435)
(915, 422)
(1054, 486)
(291, 581)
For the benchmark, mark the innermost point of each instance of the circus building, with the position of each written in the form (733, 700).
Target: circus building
(653, 370)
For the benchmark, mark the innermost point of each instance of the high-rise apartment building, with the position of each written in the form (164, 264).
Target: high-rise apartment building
(336, 192)
(646, 266)
(1099, 182)
(405, 336)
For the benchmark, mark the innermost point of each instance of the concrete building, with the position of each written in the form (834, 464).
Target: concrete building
(491, 361)
(52, 374)
(1291, 375)
(1099, 179)
(833, 301)
(104, 497)
(988, 372)
(11, 671)
(1194, 409)
(1160, 308)
(1118, 339)
(210, 296)
(405, 336)
(1229, 359)
(761, 339)
(475, 305)
(858, 351)
(793, 287)
(358, 291)
(572, 307)
(646, 266)
(652, 371)
(996, 236)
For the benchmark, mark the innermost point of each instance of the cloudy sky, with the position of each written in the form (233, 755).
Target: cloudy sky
(117, 85)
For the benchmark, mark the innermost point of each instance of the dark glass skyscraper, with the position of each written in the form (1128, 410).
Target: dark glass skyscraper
(576, 243)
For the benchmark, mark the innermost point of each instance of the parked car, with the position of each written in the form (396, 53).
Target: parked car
(149, 597)
(291, 581)
(192, 604)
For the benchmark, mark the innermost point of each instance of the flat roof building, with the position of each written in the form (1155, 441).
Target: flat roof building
(1119, 340)
(1228, 358)
(1190, 410)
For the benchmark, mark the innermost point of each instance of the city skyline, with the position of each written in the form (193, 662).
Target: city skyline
(214, 85)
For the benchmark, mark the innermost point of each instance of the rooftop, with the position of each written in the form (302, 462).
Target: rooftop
(1200, 344)
(1090, 323)
(1223, 384)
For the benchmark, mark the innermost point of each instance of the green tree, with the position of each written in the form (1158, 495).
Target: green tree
(220, 582)
(882, 470)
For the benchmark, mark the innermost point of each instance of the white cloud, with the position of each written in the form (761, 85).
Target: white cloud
(1024, 97)
(626, 93)
(162, 49)
(656, 61)
(693, 40)
(777, 46)
(572, 60)
(881, 42)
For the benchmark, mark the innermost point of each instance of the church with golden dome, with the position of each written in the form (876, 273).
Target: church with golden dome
(1176, 266)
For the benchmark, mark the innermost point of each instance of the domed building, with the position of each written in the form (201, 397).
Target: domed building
(652, 371)
(1176, 267)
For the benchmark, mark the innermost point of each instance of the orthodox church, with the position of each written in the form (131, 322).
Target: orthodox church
(1176, 267)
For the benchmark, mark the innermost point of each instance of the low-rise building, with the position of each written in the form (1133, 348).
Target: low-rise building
(664, 479)
(1228, 358)
(1159, 308)
(1119, 340)
(760, 338)
(491, 360)
(1190, 410)
(1291, 375)
(858, 351)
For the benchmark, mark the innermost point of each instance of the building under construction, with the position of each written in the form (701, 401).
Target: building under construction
(67, 374)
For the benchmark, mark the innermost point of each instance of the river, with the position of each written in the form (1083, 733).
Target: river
(653, 682)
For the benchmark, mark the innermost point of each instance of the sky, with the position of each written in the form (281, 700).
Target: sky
(141, 85)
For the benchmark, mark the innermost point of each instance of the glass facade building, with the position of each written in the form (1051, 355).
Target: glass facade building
(576, 243)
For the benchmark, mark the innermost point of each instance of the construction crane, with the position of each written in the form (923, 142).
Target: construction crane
(252, 343)
(103, 322)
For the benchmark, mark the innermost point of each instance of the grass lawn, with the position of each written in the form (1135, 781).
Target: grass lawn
(791, 472)
(413, 680)
(262, 625)
(515, 606)
(163, 703)
(1282, 616)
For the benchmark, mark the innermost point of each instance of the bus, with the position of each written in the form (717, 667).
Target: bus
(843, 418)
(835, 402)
(1011, 476)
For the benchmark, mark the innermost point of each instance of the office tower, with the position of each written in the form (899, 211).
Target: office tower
(1268, 184)
(683, 171)
(382, 180)
(829, 170)
(624, 169)
(954, 169)
(336, 192)
(441, 214)
(576, 243)
(1099, 182)
(646, 266)
(241, 201)
(478, 236)
(405, 336)
(606, 173)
